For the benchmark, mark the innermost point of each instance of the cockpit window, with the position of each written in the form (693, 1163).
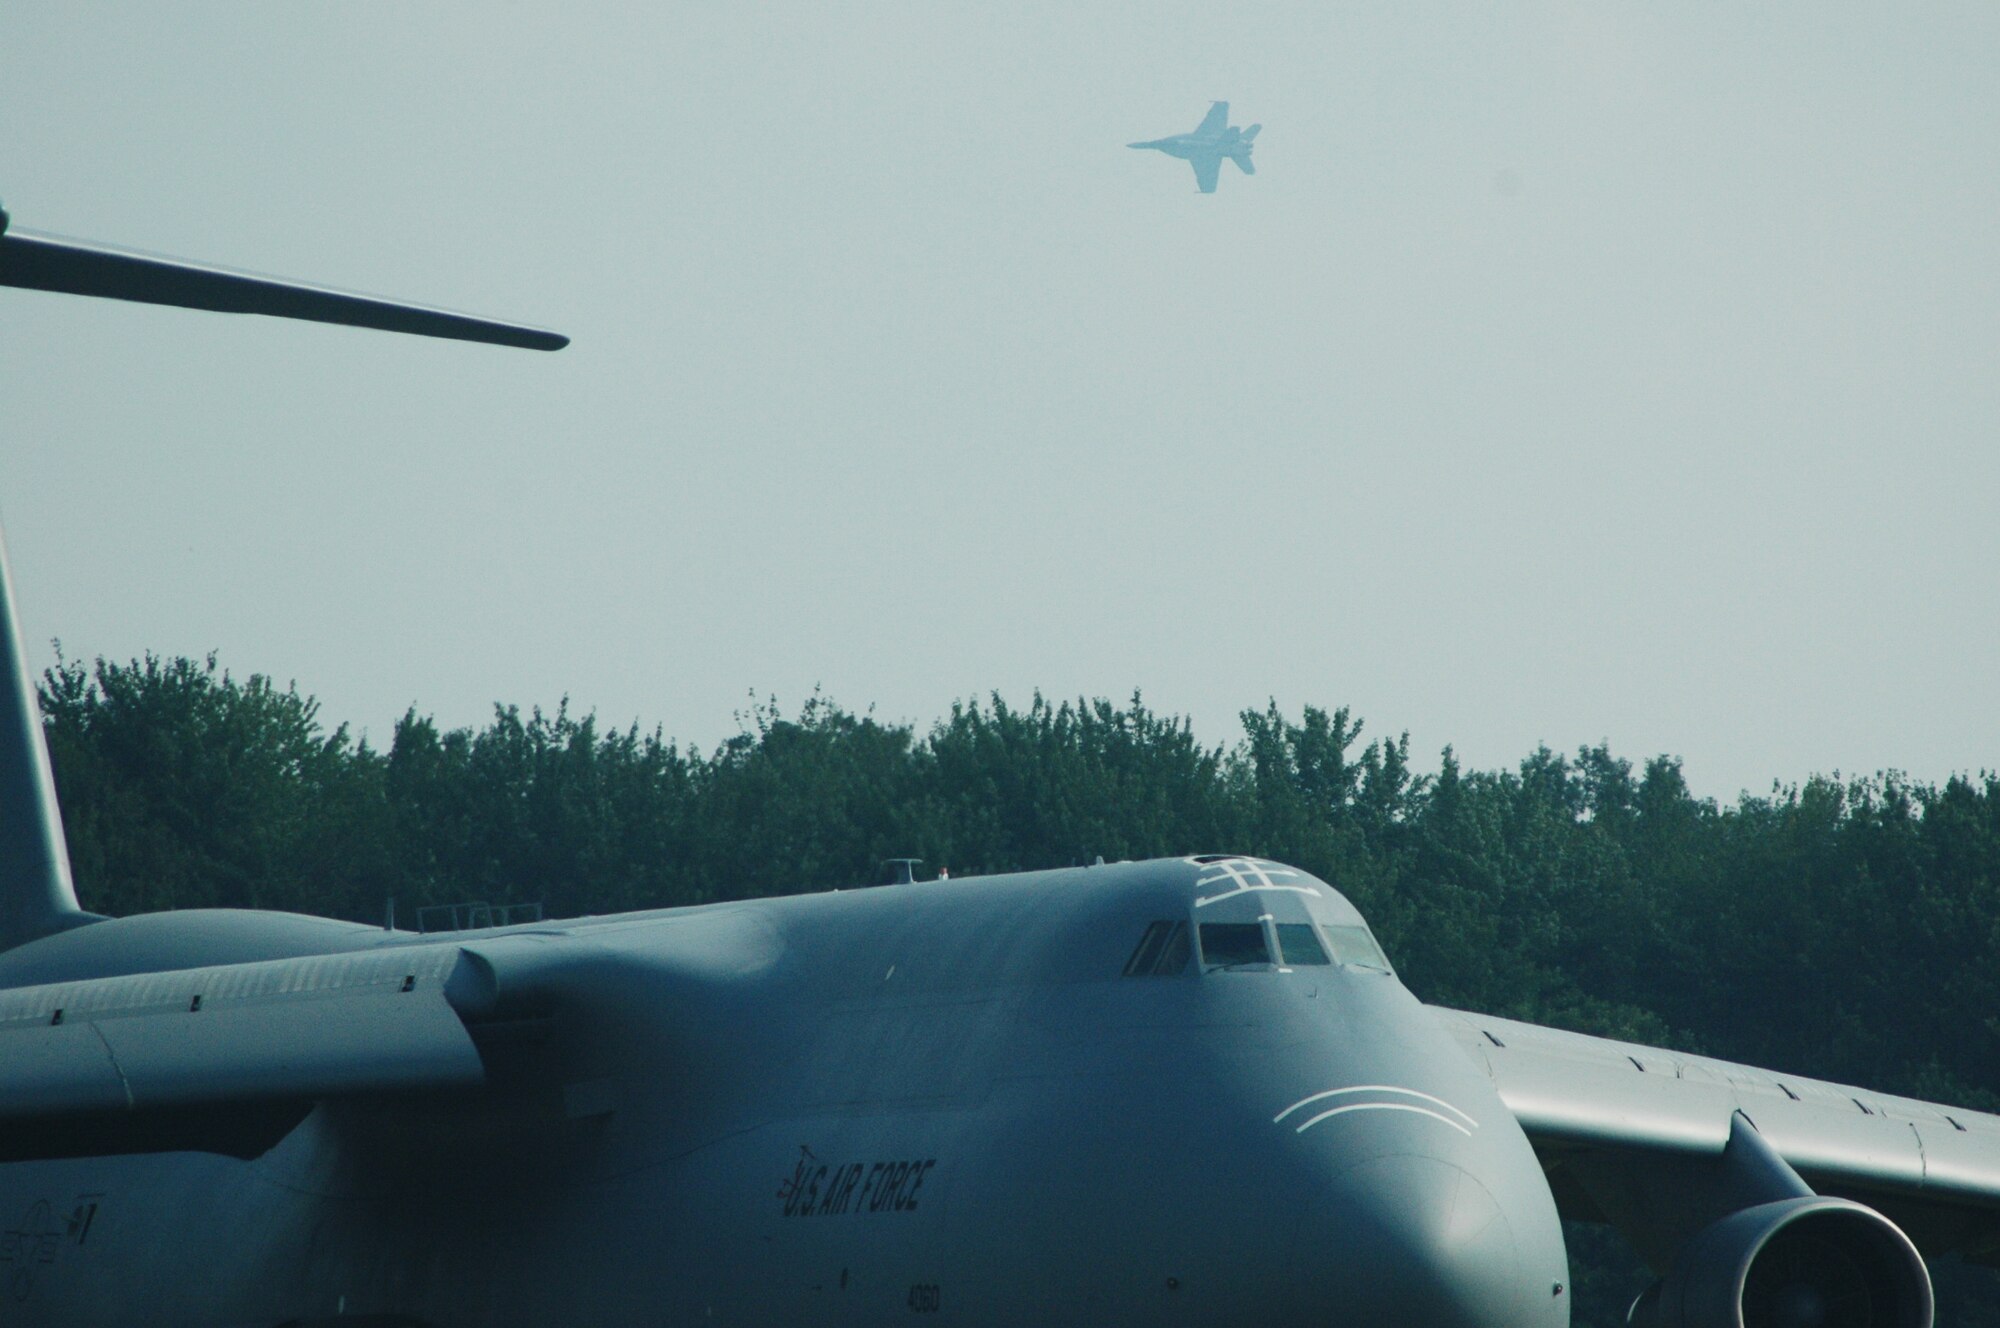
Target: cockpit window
(1226, 944)
(1299, 941)
(1161, 952)
(1354, 947)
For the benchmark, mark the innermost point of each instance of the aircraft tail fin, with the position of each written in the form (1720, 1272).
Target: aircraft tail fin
(36, 896)
(1239, 152)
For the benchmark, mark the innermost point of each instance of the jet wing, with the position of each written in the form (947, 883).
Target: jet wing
(1207, 168)
(1214, 122)
(1607, 1116)
(78, 267)
(293, 1029)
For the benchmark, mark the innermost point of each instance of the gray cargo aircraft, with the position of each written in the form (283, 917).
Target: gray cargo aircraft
(1212, 140)
(1182, 1092)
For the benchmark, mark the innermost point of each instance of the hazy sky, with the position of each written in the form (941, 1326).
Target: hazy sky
(1568, 372)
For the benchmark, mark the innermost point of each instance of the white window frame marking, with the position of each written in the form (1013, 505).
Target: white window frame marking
(1247, 876)
(1371, 1088)
(1270, 926)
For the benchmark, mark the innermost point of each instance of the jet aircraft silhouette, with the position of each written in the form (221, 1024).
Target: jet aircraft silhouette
(1212, 140)
(1187, 1091)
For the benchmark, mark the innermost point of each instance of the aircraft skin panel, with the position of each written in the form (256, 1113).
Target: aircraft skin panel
(1214, 122)
(300, 1028)
(1573, 1093)
(1207, 170)
(822, 1108)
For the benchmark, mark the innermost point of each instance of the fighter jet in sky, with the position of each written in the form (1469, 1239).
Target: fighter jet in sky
(1191, 1091)
(1212, 140)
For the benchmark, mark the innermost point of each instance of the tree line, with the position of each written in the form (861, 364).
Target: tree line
(1845, 929)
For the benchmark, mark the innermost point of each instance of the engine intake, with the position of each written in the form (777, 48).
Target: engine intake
(1809, 1262)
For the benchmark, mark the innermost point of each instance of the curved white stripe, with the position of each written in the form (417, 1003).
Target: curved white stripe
(1407, 1093)
(1385, 1106)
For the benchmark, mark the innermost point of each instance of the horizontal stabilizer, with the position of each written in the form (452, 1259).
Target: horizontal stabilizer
(282, 1030)
(36, 896)
(77, 267)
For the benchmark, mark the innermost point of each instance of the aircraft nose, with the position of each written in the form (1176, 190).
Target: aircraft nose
(1432, 1248)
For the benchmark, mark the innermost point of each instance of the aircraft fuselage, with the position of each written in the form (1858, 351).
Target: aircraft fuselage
(1211, 141)
(946, 1098)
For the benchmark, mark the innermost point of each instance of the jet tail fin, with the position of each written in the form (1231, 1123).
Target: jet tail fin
(36, 896)
(1239, 152)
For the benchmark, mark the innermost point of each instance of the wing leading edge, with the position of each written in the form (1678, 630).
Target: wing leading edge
(293, 1029)
(1616, 1124)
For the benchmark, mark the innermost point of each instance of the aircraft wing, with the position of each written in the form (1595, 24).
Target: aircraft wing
(78, 267)
(1207, 168)
(291, 1029)
(1214, 122)
(1618, 1125)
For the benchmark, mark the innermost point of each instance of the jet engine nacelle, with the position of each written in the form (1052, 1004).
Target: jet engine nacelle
(1812, 1262)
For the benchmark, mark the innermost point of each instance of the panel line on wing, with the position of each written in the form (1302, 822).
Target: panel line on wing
(124, 1080)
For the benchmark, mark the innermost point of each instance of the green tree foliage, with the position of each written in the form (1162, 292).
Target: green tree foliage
(1842, 929)
(184, 787)
(1846, 930)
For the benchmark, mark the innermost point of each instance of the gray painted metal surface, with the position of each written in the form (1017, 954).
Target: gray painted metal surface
(35, 261)
(939, 1098)
(36, 896)
(308, 1027)
(1570, 1089)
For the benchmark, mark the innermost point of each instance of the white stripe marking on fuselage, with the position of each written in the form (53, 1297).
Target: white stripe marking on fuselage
(1385, 1106)
(1373, 1088)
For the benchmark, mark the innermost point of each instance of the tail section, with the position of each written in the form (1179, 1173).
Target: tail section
(1239, 151)
(36, 897)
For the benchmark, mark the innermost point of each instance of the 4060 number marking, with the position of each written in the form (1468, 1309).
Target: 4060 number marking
(924, 1298)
